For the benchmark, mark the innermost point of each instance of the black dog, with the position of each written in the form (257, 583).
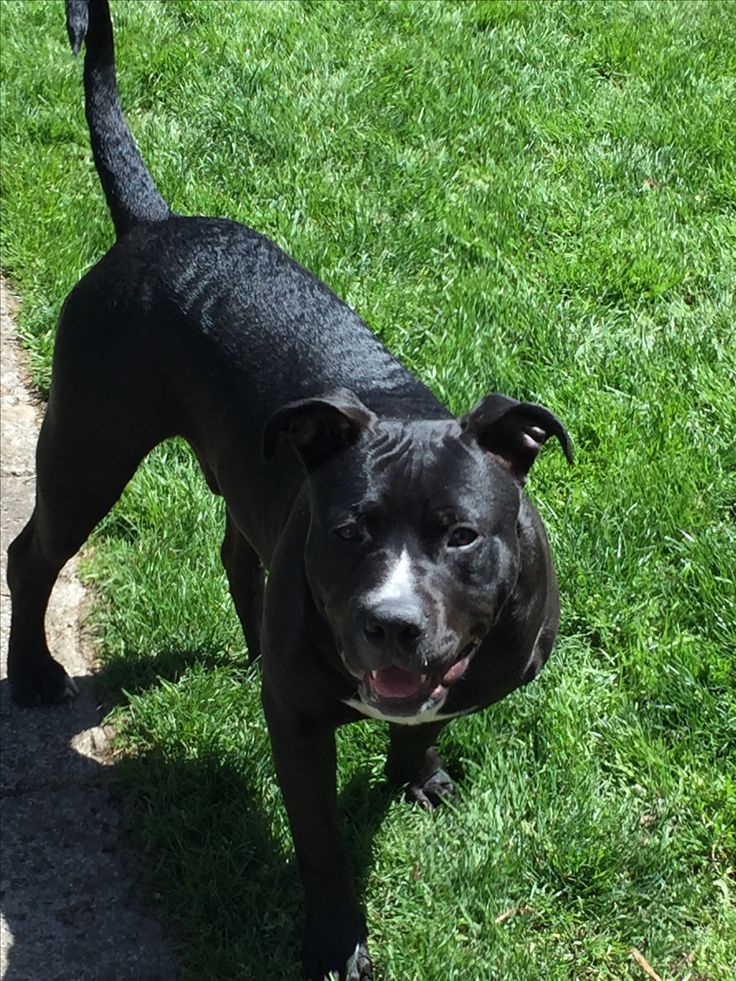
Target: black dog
(409, 576)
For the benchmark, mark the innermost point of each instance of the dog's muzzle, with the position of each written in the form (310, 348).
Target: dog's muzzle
(398, 691)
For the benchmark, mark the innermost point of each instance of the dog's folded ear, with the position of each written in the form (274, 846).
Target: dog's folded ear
(514, 431)
(318, 427)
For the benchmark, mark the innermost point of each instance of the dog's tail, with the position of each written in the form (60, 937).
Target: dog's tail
(131, 194)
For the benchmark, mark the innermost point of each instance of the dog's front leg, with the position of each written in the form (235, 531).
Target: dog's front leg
(414, 763)
(305, 765)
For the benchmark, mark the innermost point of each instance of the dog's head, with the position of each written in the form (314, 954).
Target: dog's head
(413, 545)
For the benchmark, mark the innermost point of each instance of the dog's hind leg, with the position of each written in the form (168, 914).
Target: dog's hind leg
(81, 470)
(246, 578)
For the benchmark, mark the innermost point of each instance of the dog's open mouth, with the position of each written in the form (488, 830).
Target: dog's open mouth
(405, 692)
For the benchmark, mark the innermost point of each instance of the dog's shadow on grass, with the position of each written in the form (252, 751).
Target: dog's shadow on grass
(224, 874)
(218, 862)
(216, 838)
(134, 673)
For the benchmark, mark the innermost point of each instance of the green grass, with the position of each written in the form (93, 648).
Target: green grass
(536, 198)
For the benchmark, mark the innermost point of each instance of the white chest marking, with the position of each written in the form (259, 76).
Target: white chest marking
(432, 714)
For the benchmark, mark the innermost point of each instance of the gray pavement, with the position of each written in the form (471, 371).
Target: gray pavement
(73, 906)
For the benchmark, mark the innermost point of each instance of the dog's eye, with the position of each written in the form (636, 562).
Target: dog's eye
(349, 532)
(461, 536)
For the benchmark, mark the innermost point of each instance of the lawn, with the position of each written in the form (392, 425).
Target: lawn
(533, 198)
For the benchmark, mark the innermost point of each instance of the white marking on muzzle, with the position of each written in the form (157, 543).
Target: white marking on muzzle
(398, 585)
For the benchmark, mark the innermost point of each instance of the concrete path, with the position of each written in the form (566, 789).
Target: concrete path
(72, 901)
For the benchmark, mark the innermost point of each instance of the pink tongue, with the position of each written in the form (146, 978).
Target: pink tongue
(396, 683)
(455, 671)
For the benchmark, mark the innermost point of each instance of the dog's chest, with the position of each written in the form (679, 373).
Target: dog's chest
(433, 714)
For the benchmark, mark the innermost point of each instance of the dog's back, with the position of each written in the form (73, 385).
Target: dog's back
(218, 278)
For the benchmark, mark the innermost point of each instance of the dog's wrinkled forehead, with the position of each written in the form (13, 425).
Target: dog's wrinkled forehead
(410, 466)
(427, 454)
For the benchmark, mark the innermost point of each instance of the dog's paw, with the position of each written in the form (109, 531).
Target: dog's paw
(323, 967)
(432, 791)
(44, 683)
(335, 949)
(359, 966)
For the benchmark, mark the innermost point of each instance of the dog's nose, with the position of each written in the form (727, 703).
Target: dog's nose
(391, 626)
